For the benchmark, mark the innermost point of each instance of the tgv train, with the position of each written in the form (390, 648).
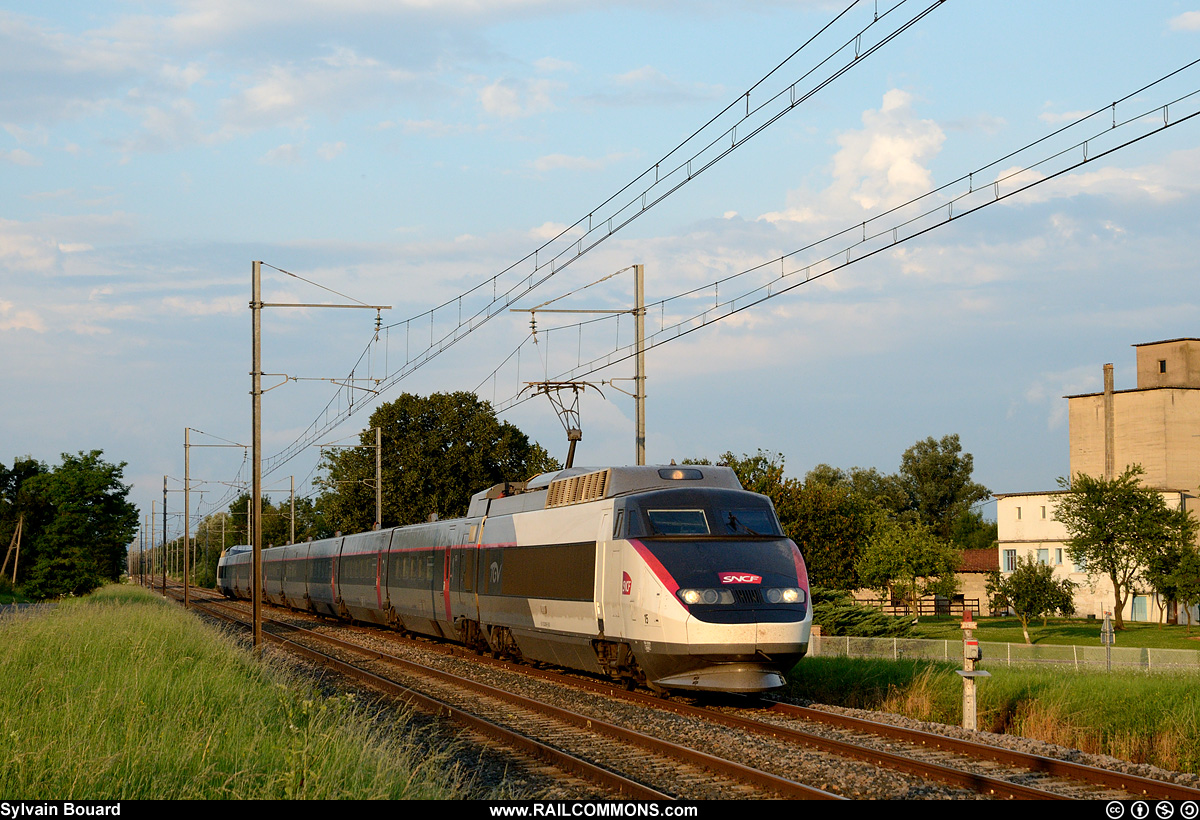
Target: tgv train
(673, 577)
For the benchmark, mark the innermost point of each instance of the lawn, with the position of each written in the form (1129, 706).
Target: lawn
(122, 695)
(1061, 631)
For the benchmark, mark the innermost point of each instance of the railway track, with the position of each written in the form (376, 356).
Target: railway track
(680, 748)
(635, 764)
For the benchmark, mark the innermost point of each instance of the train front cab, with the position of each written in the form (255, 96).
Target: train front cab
(706, 590)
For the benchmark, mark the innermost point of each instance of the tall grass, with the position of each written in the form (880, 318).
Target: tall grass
(1134, 716)
(122, 696)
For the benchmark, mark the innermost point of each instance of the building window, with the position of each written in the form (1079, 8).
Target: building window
(1162, 365)
(1058, 557)
(1044, 556)
(1043, 513)
(1018, 513)
(1010, 560)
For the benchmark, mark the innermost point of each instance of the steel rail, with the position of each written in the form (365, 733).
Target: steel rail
(765, 780)
(738, 771)
(1134, 784)
(534, 748)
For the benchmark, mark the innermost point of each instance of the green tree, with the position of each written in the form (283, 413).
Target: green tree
(760, 473)
(91, 523)
(17, 504)
(1161, 573)
(971, 532)
(831, 526)
(1031, 591)
(1116, 527)
(437, 452)
(1187, 583)
(936, 476)
(908, 561)
(277, 520)
(883, 490)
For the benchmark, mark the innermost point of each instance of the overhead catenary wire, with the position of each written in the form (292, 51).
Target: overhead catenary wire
(724, 133)
(915, 218)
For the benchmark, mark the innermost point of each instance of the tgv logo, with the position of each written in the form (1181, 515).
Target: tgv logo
(739, 578)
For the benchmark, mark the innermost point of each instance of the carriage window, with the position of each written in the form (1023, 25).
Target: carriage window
(750, 522)
(678, 522)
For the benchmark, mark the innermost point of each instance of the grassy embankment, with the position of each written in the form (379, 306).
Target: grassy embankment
(121, 695)
(1060, 631)
(1146, 718)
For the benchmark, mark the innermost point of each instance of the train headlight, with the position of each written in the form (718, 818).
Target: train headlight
(705, 596)
(787, 595)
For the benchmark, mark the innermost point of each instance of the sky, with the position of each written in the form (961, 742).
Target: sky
(403, 153)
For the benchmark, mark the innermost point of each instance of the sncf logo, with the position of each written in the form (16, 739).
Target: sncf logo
(740, 578)
(626, 583)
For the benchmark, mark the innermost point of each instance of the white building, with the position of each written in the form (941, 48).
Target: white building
(1156, 425)
(1027, 528)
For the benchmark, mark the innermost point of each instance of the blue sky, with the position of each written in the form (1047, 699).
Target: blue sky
(402, 152)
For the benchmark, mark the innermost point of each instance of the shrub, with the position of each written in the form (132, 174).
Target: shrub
(839, 614)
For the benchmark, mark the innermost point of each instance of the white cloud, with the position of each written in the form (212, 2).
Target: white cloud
(880, 165)
(286, 154)
(330, 150)
(85, 329)
(190, 306)
(1053, 118)
(23, 250)
(1169, 180)
(11, 319)
(510, 99)
(1188, 21)
(562, 162)
(429, 128)
(18, 156)
(288, 94)
(549, 230)
(38, 135)
(877, 167)
(208, 20)
(649, 86)
(549, 64)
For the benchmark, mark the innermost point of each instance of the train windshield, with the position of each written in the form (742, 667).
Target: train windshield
(700, 512)
(678, 522)
(750, 522)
